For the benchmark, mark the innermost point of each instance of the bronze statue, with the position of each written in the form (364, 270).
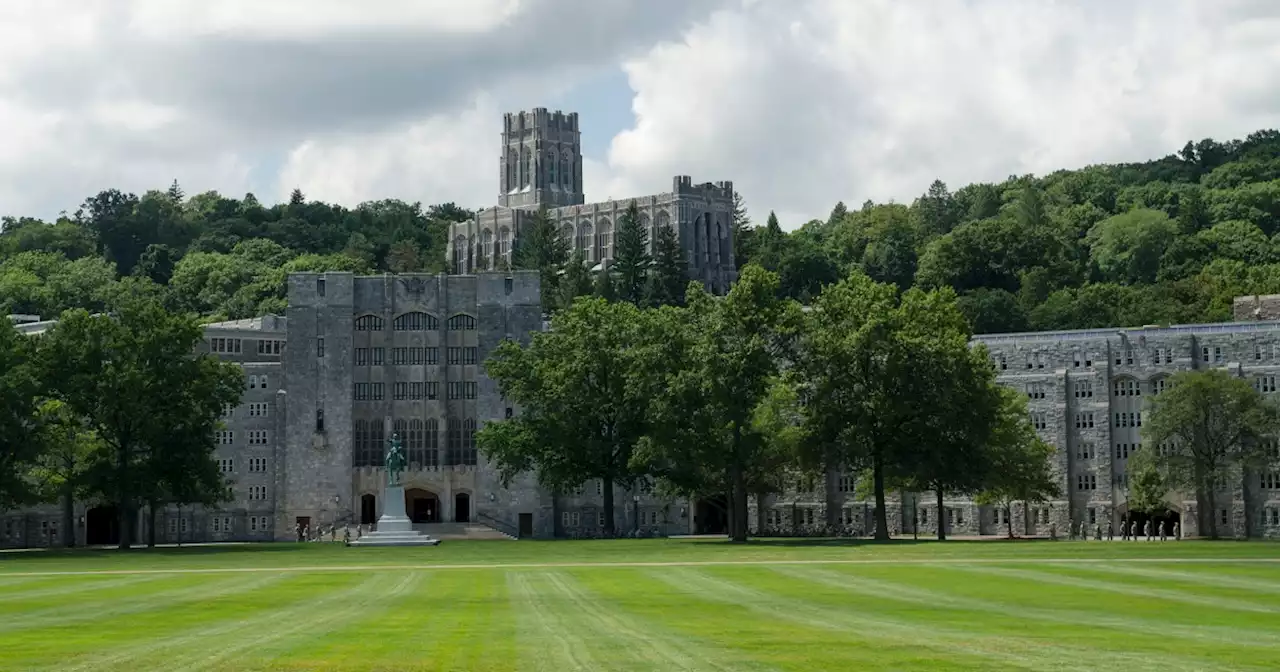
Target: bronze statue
(395, 460)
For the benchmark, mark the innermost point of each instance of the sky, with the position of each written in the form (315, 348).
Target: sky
(801, 103)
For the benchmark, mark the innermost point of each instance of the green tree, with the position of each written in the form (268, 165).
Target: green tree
(1147, 488)
(404, 257)
(631, 260)
(1203, 429)
(19, 386)
(743, 233)
(67, 453)
(581, 417)
(541, 248)
(606, 286)
(576, 280)
(120, 373)
(1018, 460)
(1128, 247)
(716, 365)
(667, 278)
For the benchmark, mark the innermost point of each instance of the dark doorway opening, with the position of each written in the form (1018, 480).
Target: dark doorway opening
(102, 526)
(526, 525)
(423, 506)
(711, 516)
(368, 509)
(1160, 520)
(462, 508)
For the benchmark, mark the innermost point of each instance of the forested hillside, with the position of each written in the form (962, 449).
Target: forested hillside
(1170, 240)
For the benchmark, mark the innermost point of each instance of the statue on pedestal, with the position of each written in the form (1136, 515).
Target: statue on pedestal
(395, 460)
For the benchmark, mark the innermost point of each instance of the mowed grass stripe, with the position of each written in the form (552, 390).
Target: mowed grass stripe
(548, 639)
(1083, 624)
(450, 622)
(795, 601)
(13, 596)
(1064, 576)
(1210, 578)
(666, 649)
(442, 566)
(203, 639)
(177, 592)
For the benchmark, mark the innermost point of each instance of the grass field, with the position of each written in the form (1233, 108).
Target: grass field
(647, 605)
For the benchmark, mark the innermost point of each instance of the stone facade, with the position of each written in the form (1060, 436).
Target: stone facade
(541, 165)
(1085, 393)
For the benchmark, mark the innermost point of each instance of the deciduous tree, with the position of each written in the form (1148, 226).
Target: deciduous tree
(1203, 430)
(1018, 461)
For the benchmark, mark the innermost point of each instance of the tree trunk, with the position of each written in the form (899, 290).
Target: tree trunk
(609, 528)
(1211, 498)
(942, 518)
(882, 520)
(68, 514)
(1008, 518)
(760, 517)
(123, 500)
(151, 524)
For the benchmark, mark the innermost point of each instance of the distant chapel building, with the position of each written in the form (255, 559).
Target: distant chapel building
(541, 166)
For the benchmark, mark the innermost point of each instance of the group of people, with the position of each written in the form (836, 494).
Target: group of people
(305, 533)
(1129, 530)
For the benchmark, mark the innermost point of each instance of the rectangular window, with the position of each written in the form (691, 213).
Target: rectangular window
(320, 420)
(433, 391)
(1039, 421)
(1086, 482)
(1265, 384)
(1084, 420)
(1270, 480)
(401, 391)
(362, 356)
(225, 437)
(1085, 451)
(226, 465)
(433, 356)
(1084, 389)
(1002, 363)
(1204, 354)
(377, 391)
(257, 464)
(1225, 517)
(320, 347)
(1035, 391)
(257, 493)
(320, 286)
(469, 389)
(1128, 356)
(1093, 516)
(376, 356)
(510, 412)
(1217, 354)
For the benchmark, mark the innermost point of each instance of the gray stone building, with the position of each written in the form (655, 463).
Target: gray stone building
(540, 165)
(358, 358)
(1085, 393)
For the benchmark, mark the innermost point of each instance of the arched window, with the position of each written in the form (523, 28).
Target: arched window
(566, 169)
(469, 442)
(526, 166)
(432, 443)
(486, 249)
(566, 234)
(359, 443)
(377, 443)
(368, 323)
(606, 239)
(454, 451)
(460, 254)
(413, 443)
(586, 240)
(646, 226)
(504, 245)
(513, 177)
(552, 177)
(462, 322)
(416, 322)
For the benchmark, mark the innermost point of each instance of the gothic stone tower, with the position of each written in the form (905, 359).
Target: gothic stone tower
(541, 162)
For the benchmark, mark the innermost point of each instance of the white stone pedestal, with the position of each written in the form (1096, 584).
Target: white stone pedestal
(394, 527)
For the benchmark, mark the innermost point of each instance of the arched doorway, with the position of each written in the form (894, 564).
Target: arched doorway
(368, 509)
(422, 506)
(1165, 519)
(462, 508)
(711, 516)
(102, 526)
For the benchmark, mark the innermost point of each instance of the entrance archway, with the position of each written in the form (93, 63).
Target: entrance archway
(462, 508)
(422, 506)
(711, 516)
(368, 509)
(1165, 519)
(102, 526)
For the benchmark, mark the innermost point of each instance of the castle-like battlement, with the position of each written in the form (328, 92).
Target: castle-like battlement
(682, 185)
(540, 118)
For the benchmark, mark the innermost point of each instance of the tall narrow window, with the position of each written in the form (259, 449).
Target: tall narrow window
(320, 286)
(319, 419)
(320, 347)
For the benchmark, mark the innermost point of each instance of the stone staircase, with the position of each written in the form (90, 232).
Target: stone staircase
(453, 531)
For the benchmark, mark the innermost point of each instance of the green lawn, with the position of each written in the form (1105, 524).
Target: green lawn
(647, 605)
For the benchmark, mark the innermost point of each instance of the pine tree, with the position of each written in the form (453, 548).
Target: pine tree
(630, 257)
(667, 280)
(744, 236)
(606, 286)
(576, 280)
(296, 198)
(175, 193)
(540, 248)
(837, 215)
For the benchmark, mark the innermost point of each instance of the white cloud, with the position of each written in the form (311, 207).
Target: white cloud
(800, 102)
(806, 103)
